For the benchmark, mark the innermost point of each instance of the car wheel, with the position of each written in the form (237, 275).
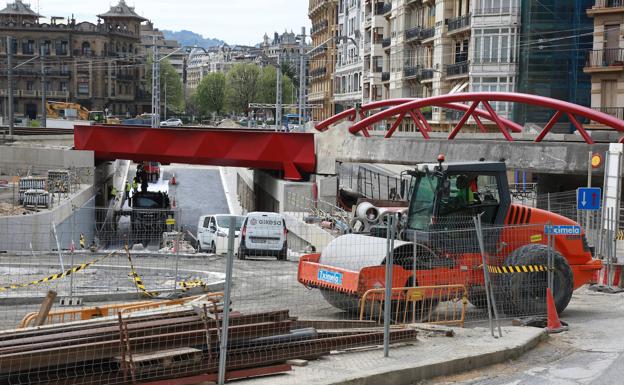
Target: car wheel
(241, 254)
(213, 248)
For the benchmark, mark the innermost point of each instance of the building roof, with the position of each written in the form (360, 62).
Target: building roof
(19, 8)
(122, 10)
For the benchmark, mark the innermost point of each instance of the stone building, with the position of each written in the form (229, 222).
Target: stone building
(165, 47)
(96, 65)
(322, 57)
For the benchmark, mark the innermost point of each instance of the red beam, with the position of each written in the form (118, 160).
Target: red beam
(463, 120)
(423, 120)
(497, 119)
(395, 125)
(292, 153)
(580, 129)
(422, 130)
(549, 126)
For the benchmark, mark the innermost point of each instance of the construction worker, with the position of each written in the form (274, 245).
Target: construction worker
(127, 193)
(82, 241)
(113, 193)
(135, 185)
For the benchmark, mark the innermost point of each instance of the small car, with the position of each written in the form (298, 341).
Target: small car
(171, 122)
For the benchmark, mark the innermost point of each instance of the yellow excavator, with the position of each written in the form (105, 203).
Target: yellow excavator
(60, 110)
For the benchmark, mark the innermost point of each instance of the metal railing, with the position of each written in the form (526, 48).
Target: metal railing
(459, 22)
(412, 71)
(617, 112)
(413, 33)
(386, 42)
(605, 57)
(385, 76)
(427, 33)
(608, 3)
(501, 10)
(387, 7)
(457, 69)
(418, 304)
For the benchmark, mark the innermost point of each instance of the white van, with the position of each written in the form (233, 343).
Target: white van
(263, 234)
(213, 230)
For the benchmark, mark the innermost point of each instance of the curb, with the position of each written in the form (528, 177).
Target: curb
(410, 375)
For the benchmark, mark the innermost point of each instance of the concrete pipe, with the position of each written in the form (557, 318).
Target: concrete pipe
(367, 211)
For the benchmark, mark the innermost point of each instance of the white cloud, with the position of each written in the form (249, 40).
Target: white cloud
(235, 21)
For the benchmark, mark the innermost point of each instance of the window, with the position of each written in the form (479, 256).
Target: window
(61, 47)
(83, 87)
(207, 222)
(495, 45)
(86, 48)
(46, 46)
(28, 47)
(62, 85)
(30, 85)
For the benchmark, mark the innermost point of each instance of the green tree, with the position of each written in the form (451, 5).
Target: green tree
(211, 93)
(170, 85)
(267, 89)
(242, 86)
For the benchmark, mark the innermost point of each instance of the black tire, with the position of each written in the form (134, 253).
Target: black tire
(283, 254)
(241, 254)
(525, 293)
(213, 248)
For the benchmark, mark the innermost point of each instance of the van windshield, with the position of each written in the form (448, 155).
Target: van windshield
(224, 222)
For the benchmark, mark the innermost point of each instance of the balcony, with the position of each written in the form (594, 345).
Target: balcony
(413, 34)
(385, 76)
(427, 33)
(605, 60)
(60, 73)
(454, 25)
(412, 72)
(322, 25)
(318, 72)
(57, 94)
(385, 43)
(426, 74)
(606, 6)
(29, 93)
(316, 96)
(500, 10)
(617, 112)
(379, 8)
(457, 69)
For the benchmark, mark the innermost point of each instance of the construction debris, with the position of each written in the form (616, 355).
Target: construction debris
(171, 344)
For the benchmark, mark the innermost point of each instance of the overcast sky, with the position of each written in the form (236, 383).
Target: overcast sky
(235, 21)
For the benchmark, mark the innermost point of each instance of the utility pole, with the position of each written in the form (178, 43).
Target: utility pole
(155, 86)
(278, 96)
(10, 81)
(44, 113)
(302, 78)
(165, 90)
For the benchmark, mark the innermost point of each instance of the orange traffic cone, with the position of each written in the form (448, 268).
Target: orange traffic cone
(173, 203)
(173, 180)
(554, 325)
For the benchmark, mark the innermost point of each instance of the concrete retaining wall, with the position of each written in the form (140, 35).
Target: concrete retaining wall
(18, 233)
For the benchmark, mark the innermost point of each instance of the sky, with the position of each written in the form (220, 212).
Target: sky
(234, 21)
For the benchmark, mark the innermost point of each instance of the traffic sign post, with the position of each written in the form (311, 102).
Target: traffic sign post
(588, 198)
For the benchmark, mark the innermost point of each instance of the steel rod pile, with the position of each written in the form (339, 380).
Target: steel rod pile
(173, 344)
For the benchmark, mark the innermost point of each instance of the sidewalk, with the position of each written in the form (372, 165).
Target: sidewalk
(432, 355)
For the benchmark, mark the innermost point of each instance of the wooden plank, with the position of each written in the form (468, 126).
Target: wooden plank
(44, 310)
(137, 358)
(326, 324)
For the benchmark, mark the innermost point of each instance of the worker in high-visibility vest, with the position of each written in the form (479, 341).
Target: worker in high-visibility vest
(113, 193)
(127, 193)
(135, 185)
(82, 241)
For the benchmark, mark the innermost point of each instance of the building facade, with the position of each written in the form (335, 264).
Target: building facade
(605, 61)
(149, 35)
(322, 56)
(217, 59)
(96, 65)
(349, 58)
(421, 48)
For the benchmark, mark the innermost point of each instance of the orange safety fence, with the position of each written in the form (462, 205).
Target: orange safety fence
(441, 305)
(87, 313)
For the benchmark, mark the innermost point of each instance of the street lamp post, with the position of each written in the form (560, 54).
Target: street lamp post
(156, 79)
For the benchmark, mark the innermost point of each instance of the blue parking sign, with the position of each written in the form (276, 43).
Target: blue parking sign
(588, 198)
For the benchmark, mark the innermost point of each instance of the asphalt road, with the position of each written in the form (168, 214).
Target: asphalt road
(592, 352)
(199, 191)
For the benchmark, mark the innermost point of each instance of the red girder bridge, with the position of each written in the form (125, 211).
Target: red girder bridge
(294, 153)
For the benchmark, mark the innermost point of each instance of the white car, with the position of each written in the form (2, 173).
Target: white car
(171, 122)
(263, 234)
(213, 230)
